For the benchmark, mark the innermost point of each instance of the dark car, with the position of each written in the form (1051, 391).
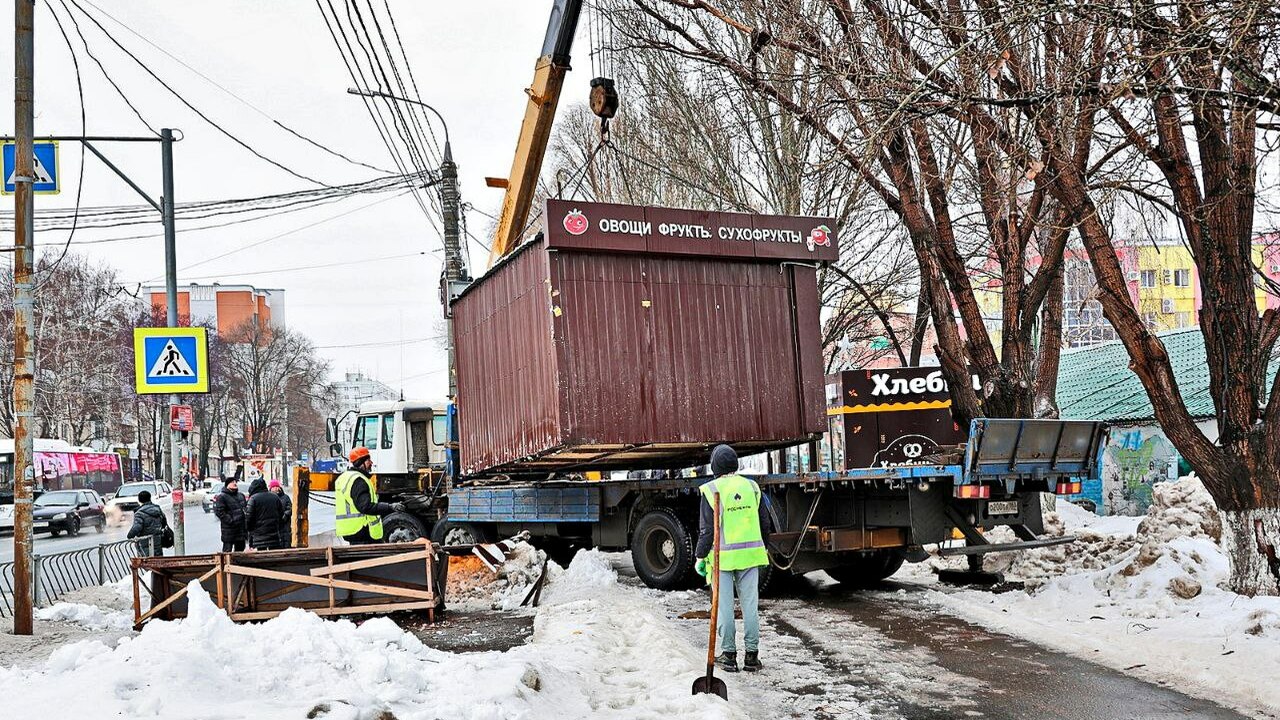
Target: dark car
(68, 511)
(210, 493)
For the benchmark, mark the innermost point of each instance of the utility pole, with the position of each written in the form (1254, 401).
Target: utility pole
(455, 270)
(454, 275)
(171, 318)
(24, 380)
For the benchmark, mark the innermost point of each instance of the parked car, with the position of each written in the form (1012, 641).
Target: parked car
(126, 498)
(68, 511)
(211, 493)
(6, 518)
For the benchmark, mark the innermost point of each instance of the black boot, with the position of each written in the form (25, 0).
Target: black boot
(751, 662)
(727, 662)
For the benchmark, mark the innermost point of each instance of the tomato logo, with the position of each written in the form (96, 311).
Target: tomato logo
(820, 235)
(575, 223)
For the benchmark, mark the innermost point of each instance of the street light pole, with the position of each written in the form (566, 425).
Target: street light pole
(455, 264)
(171, 319)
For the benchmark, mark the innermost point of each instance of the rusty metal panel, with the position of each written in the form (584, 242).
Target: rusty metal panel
(508, 398)
(583, 357)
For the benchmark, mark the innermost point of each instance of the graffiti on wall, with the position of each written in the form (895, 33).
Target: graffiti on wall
(1135, 459)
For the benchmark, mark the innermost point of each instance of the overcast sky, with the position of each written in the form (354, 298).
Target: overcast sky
(472, 61)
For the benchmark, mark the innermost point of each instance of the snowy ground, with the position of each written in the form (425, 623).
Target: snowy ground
(1140, 595)
(599, 650)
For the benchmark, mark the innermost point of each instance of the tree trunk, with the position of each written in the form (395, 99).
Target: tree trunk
(1251, 539)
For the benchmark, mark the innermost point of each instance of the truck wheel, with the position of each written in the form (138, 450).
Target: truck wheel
(867, 569)
(402, 527)
(458, 533)
(662, 550)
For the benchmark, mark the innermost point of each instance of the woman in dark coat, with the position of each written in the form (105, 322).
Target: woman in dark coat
(264, 517)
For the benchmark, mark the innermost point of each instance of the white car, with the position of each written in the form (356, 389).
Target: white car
(6, 518)
(126, 498)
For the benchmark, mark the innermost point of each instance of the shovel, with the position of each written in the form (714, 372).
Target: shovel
(709, 684)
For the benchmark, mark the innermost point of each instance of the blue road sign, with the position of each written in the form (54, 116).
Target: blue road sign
(45, 168)
(171, 360)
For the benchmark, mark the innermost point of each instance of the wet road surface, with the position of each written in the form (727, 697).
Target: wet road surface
(832, 653)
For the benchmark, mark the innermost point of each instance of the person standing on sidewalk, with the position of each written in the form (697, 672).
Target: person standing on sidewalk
(149, 522)
(743, 517)
(230, 507)
(264, 517)
(286, 523)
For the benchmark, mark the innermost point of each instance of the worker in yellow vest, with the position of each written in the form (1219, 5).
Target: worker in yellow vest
(357, 512)
(743, 516)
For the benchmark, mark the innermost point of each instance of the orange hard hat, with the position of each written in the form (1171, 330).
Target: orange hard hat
(358, 454)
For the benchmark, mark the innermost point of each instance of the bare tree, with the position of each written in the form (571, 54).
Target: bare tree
(963, 186)
(266, 367)
(737, 153)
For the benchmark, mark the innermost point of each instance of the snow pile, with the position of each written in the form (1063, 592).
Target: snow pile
(471, 583)
(599, 650)
(1155, 609)
(1100, 542)
(91, 617)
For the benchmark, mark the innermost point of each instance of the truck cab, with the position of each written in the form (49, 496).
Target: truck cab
(404, 437)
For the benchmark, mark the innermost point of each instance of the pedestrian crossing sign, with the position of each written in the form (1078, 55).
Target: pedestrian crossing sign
(171, 360)
(44, 168)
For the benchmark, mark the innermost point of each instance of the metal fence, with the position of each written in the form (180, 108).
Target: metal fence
(60, 573)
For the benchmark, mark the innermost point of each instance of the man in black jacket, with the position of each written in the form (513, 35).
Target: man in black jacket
(149, 522)
(230, 507)
(264, 516)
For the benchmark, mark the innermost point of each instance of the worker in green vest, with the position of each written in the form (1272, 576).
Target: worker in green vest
(357, 512)
(743, 515)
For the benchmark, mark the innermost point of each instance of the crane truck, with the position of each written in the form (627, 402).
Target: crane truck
(857, 516)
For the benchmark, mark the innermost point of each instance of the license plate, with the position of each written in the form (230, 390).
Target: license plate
(1002, 507)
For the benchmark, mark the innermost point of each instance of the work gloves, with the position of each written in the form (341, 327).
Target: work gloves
(398, 507)
(701, 566)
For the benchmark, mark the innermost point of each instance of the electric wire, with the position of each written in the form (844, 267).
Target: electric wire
(178, 96)
(321, 266)
(356, 72)
(110, 80)
(75, 220)
(240, 99)
(277, 236)
(404, 127)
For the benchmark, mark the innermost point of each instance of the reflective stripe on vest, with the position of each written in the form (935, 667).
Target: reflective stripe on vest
(741, 541)
(347, 519)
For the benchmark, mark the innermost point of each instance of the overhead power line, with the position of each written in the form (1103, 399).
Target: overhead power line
(231, 136)
(238, 98)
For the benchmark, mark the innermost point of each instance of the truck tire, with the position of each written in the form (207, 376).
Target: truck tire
(447, 532)
(403, 527)
(867, 569)
(662, 550)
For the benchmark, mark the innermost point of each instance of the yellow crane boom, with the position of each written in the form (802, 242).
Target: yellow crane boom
(535, 130)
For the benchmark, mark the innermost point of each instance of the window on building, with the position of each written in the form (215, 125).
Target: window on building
(388, 430)
(1182, 278)
(1147, 279)
(1150, 319)
(1184, 319)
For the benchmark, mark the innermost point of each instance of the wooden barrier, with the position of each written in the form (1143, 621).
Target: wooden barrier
(351, 580)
